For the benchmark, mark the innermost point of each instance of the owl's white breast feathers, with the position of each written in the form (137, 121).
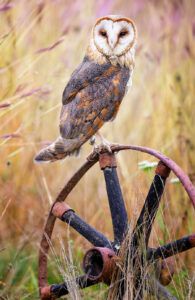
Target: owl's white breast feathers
(129, 83)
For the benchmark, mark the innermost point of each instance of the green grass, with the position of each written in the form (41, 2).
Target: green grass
(18, 275)
(19, 266)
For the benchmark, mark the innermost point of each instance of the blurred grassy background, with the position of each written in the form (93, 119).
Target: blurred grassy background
(41, 42)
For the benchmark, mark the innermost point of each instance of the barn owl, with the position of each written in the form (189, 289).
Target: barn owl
(96, 87)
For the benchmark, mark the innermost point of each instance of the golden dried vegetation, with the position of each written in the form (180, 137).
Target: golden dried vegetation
(41, 42)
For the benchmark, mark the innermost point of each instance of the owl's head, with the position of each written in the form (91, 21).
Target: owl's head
(113, 35)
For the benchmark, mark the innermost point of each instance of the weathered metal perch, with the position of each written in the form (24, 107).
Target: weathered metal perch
(99, 261)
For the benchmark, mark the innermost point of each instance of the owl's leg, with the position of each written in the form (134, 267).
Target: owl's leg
(92, 140)
(104, 143)
(93, 143)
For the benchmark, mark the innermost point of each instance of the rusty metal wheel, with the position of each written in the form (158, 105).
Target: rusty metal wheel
(99, 261)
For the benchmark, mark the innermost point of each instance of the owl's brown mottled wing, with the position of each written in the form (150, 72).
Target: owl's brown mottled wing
(91, 97)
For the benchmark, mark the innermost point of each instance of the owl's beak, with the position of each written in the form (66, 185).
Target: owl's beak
(112, 43)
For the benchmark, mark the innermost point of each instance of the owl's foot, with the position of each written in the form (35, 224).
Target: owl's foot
(99, 148)
(104, 143)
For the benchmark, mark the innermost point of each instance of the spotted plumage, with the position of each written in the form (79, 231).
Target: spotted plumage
(96, 87)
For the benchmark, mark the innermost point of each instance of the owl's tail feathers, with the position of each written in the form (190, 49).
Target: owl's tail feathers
(56, 151)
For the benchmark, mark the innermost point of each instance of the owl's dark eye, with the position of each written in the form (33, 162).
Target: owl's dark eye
(122, 33)
(103, 33)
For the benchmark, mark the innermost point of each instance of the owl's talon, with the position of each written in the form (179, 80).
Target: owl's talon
(96, 149)
(106, 145)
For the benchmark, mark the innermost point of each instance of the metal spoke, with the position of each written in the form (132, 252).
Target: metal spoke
(115, 197)
(149, 210)
(57, 290)
(172, 248)
(66, 214)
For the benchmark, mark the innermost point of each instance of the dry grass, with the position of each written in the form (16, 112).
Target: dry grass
(41, 42)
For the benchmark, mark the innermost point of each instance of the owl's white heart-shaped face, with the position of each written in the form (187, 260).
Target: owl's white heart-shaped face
(114, 35)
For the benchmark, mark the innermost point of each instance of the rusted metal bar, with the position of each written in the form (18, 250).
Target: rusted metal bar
(150, 207)
(50, 222)
(55, 291)
(189, 187)
(72, 182)
(66, 214)
(116, 202)
(98, 264)
(45, 293)
(107, 159)
(59, 208)
(172, 248)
